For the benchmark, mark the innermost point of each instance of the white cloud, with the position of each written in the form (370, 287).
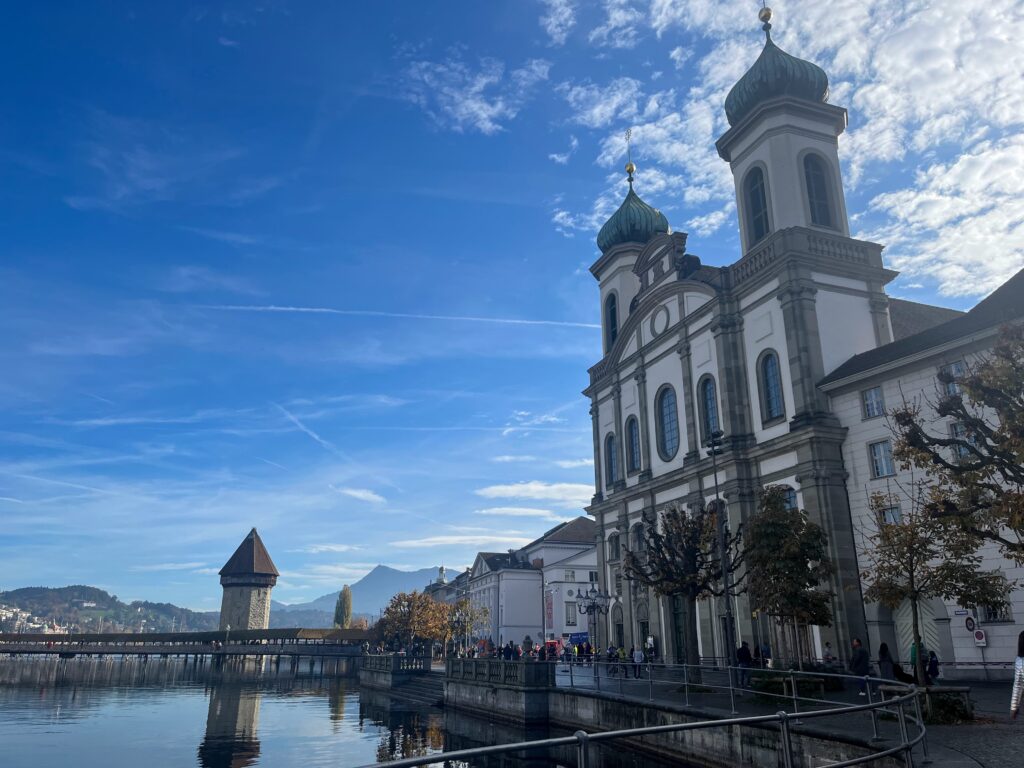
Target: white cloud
(513, 459)
(598, 106)
(362, 494)
(154, 567)
(568, 495)
(558, 20)
(562, 158)
(621, 27)
(680, 56)
(463, 540)
(574, 463)
(544, 514)
(316, 549)
(460, 97)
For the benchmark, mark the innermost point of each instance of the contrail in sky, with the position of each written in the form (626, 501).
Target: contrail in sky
(401, 315)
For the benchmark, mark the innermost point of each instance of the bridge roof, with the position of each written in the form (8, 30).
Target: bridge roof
(352, 636)
(250, 558)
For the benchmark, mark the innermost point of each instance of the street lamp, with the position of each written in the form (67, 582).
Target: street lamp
(593, 603)
(714, 448)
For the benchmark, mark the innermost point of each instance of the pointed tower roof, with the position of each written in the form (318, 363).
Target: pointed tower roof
(774, 74)
(251, 558)
(634, 222)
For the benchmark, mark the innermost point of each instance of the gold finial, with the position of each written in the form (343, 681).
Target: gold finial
(765, 16)
(630, 167)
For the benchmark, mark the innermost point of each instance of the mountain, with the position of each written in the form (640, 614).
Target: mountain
(370, 595)
(89, 609)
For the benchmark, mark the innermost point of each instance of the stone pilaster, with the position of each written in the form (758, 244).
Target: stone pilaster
(689, 415)
(598, 463)
(645, 437)
(620, 454)
(806, 367)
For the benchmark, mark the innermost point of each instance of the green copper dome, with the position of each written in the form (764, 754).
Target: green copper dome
(775, 73)
(634, 222)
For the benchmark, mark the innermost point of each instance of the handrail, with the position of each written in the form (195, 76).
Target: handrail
(581, 739)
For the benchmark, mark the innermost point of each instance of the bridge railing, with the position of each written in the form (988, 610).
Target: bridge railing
(523, 673)
(394, 662)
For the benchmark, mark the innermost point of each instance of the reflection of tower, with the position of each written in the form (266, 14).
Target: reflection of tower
(231, 728)
(247, 579)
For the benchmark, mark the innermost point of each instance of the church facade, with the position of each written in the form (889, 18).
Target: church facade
(738, 352)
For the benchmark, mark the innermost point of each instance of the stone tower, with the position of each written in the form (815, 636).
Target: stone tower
(247, 579)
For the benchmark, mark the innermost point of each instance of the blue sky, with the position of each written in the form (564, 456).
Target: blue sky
(322, 268)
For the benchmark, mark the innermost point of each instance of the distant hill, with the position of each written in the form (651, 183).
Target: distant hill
(370, 595)
(92, 609)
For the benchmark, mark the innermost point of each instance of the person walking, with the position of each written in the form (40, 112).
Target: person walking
(886, 665)
(638, 660)
(1018, 678)
(860, 663)
(933, 667)
(744, 661)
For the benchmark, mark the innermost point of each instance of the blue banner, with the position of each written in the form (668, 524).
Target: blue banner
(579, 637)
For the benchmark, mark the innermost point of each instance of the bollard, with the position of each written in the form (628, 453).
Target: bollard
(787, 745)
(920, 723)
(583, 751)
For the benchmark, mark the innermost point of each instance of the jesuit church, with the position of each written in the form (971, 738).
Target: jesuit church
(791, 352)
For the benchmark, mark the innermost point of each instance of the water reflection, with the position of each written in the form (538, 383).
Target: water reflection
(232, 727)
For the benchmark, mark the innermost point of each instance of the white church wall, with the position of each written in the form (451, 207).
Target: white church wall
(666, 370)
(845, 329)
(763, 329)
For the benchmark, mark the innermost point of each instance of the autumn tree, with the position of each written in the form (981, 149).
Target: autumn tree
(975, 468)
(343, 608)
(913, 555)
(681, 559)
(412, 615)
(466, 619)
(787, 565)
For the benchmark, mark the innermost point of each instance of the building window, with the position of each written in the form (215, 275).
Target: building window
(708, 406)
(890, 515)
(570, 613)
(757, 206)
(593, 577)
(618, 582)
(611, 460)
(817, 191)
(961, 450)
(950, 374)
(773, 405)
(633, 444)
(881, 459)
(638, 540)
(570, 576)
(872, 403)
(789, 497)
(613, 547)
(995, 615)
(668, 423)
(611, 321)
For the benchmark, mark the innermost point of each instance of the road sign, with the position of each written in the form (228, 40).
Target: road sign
(979, 638)
(969, 623)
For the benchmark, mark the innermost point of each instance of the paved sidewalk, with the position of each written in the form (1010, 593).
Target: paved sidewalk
(991, 741)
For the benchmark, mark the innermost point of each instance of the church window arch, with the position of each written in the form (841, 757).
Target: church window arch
(633, 458)
(637, 540)
(755, 199)
(789, 499)
(818, 184)
(613, 547)
(769, 383)
(611, 460)
(708, 402)
(667, 422)
(611, 321)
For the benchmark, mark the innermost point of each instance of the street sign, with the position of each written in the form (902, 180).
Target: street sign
(979, 638)
(969, 623)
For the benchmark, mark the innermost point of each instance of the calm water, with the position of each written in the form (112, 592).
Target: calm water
(91, 713)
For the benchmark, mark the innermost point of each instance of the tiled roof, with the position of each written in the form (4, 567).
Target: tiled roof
(1006, 303)
(250, 558)
(910, 317)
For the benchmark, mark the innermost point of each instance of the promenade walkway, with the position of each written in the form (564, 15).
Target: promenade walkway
(991, 741)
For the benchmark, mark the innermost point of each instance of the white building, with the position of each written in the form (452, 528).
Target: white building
(691, 349)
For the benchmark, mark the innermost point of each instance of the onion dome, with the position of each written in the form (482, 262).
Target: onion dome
(775, 73)
(634, 222)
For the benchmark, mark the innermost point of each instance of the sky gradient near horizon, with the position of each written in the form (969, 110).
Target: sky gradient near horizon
(322, 269)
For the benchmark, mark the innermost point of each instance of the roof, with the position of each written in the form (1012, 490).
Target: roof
(579, 530)
(1003, 305)
(774, 74)
(910, 317)
(251, 558)
(497, 561)
(634, 222)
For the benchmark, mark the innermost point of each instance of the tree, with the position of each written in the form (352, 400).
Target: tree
(343, 608)
(412, 615)
(681, 560)
(976, 469)
(464, 619)
(787, 564)
(915, 555)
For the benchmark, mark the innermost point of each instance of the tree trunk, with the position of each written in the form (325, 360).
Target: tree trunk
(692, 650)
(919, 665)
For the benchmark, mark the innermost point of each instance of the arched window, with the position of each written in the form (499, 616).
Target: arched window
(632, 444)
(708, 406)
(613, 547)
(817, 191)
(638, 543)
(611, 321)
(757, 205)
(668, 423)
(789, 497)
(611, 461)
(773, 405)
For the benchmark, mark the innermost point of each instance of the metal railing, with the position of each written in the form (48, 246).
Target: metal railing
(609, 678)
(394, 662)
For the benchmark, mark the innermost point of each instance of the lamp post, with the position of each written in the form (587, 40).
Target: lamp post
(714, 448)
(593, 603)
